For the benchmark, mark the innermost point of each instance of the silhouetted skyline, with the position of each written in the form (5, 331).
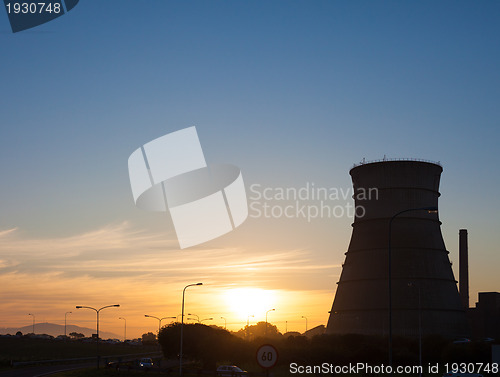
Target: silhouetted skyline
(291, 92)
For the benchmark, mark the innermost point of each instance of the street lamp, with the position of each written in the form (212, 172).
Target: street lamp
(270, 310)
(65, 314)
(248, 323)
(159, 320)
(182, 324)
(306, 322)
(225, 322)
(428, 209)
(411, 285)
(33, 322)
(168, 318)
(97, 325)
(125, 330)
(197, 317)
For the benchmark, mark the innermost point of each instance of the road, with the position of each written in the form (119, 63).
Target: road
(46, 370)
(38, 371)
(53, 367)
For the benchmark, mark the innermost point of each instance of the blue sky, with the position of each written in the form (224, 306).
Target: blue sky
(289, 91)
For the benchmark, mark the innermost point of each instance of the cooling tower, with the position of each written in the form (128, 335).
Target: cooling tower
(420, 263)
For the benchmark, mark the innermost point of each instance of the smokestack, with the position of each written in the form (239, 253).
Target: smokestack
(463, 268)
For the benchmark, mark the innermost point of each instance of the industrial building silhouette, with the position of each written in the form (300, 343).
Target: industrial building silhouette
(424, 290)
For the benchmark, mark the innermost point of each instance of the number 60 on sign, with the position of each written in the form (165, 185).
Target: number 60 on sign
(267, 356)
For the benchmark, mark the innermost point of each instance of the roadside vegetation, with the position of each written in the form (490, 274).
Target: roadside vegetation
(207, 347)
(211, 346)
(26, 348)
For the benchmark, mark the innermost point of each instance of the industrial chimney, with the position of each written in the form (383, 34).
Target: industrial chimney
(463, 282)
(420, 263)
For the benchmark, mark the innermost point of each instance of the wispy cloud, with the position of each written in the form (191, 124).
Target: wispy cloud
(142, 271)
(4, 233)
(120, 251)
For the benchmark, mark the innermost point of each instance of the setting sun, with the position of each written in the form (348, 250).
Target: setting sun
(244, 302)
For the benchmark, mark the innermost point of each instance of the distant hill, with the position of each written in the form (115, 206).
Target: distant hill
(55, 330)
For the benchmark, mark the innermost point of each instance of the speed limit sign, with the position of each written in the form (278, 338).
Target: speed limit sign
(267, 356)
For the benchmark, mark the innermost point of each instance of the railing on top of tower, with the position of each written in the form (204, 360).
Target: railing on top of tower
(365, 162)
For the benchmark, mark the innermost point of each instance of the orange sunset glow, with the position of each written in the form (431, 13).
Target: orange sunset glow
(324, 167)
(118, 264)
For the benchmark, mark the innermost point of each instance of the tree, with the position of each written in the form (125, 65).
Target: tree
(76, 335)
(204, 344)
(149, 338)
(259, 331)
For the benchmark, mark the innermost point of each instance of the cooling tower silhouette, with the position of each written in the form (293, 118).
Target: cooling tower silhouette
(420, 263)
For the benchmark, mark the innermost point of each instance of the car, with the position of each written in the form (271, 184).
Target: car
(230, 371)
(461, 341)
(146, 362)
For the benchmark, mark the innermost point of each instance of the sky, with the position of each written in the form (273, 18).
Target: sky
(292, 92)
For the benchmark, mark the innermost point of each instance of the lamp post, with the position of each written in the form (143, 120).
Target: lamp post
(182, 324)
(428, 209)
(270, 310)
(33, 322)
(65, 314)
(225, 322)
(248, 323)
(125, 329)
(197, 317)
(168, 318)
(306, 322)
(159, 320)
(97, 323)
(419, 325)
